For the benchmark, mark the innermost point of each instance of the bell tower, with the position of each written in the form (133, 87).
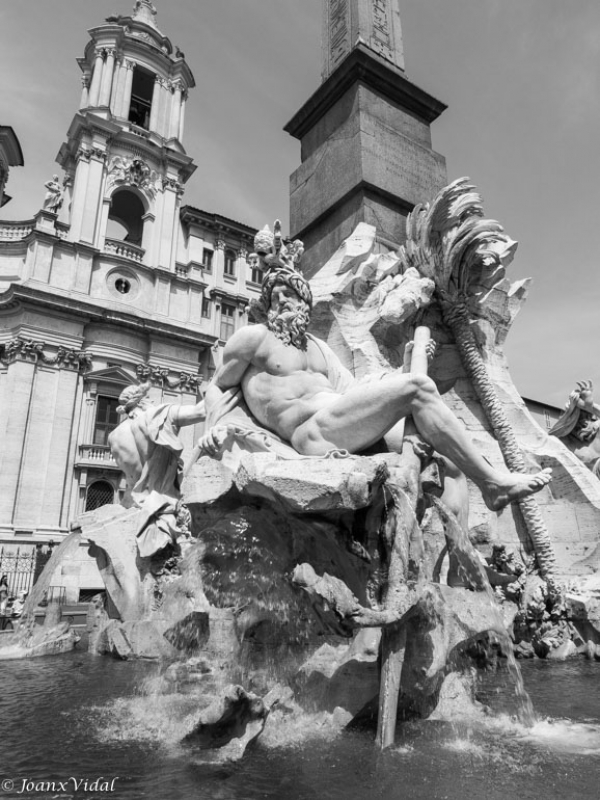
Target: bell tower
(124, 159)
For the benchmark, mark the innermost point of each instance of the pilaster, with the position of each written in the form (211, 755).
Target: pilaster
(85, 88)
(96, 79)
(79, 193)
(169, 206)
(92, 207)
(107, 77)
(129, 67)
(184, 97)
(156, 99)
(175, 111)
(19, 377)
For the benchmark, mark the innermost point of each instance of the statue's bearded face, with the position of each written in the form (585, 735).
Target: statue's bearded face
(288, 316)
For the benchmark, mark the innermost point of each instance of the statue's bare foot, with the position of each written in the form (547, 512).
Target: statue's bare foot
(512, 487)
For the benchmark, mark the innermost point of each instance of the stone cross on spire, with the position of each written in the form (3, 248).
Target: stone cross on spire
(372, 23)
(145, 12)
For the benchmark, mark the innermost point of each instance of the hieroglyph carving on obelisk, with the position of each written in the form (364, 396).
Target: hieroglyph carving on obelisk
(373, 23)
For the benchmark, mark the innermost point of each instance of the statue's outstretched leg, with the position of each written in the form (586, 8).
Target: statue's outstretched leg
(367, 411)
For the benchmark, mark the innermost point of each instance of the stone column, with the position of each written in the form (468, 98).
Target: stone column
(118, 89)
(175, 111)
(154, 108)
(116, 95)
(184, 97)
(165, 112)
(219, 259)
(107, 77)
(129, 67)
(85, 90)
(96, 79)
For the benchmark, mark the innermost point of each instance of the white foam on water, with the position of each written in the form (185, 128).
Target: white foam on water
(462, 745)
(285, 730)
(164, 719)
(403, 750)
(565, 736)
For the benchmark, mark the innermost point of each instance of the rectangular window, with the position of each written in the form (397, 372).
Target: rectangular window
(206, 307)
(142, 89)
(227, 321)
(256, 273)
(229, 263)
(207, 259)
(107, 419)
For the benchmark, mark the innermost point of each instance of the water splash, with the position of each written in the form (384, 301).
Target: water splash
(565, 736)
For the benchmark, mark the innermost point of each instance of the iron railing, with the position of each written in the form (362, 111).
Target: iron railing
(19, 567)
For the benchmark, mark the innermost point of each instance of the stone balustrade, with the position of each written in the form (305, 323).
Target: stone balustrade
(137, 131)
(14, 231)
(124, 250)
(96, 454)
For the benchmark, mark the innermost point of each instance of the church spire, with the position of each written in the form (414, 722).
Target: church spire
(374, 24)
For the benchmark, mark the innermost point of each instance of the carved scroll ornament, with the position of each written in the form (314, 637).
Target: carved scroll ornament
(30, 350)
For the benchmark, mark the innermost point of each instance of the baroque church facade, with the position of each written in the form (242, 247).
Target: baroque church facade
(113, 281)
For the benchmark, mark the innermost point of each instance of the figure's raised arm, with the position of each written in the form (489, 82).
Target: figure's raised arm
(238, 355)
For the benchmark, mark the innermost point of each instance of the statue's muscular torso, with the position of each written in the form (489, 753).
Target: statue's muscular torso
(282, 385)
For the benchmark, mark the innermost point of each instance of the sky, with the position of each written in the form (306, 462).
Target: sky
(522, 85)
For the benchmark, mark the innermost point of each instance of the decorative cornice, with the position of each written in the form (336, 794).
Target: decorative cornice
(35, 351)
(217, 294)
(160, 376)
(363, 66)
(19, 295)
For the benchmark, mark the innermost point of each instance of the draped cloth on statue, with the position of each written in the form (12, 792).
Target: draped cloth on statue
(150, 440)
(246, 434)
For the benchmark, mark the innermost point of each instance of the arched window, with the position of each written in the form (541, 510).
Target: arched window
(99, 493)
(229, 263)
(125, 221)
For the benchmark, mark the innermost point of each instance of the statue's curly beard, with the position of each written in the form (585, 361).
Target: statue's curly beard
(289, 323)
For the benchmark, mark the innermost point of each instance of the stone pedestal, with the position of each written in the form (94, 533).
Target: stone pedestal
(366, 155)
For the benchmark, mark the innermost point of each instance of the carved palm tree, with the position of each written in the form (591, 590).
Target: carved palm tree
(465, 255)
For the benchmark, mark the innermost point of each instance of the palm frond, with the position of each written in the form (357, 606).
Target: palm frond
(452, 243)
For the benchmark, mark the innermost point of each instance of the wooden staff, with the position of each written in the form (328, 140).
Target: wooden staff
(399, 523)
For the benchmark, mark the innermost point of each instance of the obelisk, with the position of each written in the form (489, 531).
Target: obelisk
(365, 134)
